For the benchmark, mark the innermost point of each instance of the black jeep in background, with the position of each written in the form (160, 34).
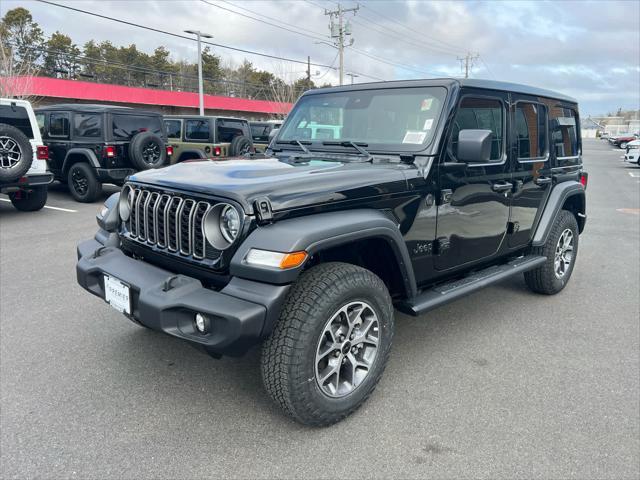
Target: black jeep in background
(94, 144)
(408, 194)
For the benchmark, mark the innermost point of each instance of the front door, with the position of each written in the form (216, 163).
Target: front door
(473, 208)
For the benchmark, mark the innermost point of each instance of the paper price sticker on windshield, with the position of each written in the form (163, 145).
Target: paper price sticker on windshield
(414, 136)
(428, 123)
(426, 104)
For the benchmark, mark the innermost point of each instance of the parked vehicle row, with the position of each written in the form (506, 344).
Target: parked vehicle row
(23, 156)
(620, 140)
(632, 155)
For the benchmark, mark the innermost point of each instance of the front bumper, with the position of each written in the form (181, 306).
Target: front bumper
(239, 315)
(633, 156)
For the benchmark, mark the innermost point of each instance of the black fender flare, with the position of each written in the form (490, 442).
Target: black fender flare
(318, 232)
(557, 198)
(89, 154)
(199, 153)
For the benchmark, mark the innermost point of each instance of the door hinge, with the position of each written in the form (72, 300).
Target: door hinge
(444, 196)
(441, 245)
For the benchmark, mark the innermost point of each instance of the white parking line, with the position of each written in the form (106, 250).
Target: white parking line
(634, 174)
(48, 206)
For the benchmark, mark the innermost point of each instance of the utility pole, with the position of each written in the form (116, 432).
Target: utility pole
(467, 62)
(308, 72)
(199, 34)
(339, 30)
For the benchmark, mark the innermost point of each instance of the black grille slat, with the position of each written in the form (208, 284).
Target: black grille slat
(170, 222)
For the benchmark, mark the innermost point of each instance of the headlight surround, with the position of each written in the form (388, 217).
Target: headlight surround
(222, 225)
(125, 203)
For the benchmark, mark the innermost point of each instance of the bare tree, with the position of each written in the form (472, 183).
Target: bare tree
(282, 90)
(16, 78)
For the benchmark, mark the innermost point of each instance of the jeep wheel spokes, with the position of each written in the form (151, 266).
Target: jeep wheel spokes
(347, 349)
(564, 253)
(10, 153)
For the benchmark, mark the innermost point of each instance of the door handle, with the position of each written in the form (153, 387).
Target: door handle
(501, 187)
(541, 181)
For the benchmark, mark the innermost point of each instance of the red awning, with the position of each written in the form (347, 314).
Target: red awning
(101, 92)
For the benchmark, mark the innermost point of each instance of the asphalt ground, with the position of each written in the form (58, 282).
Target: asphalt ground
(501, 384)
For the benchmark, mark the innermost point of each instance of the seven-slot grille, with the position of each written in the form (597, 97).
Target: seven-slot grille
(169, 222)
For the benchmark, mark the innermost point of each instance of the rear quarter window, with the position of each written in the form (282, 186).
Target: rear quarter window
(227, 129)
(564, 132)
(126, 126)
(173, 128)
(16, 117)
(88, 125)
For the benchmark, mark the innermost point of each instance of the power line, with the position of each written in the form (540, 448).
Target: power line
(487, 67)
(176, 35)
(313, 37)
(457, 49)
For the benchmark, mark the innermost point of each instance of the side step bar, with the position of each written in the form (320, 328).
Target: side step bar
(447, 292)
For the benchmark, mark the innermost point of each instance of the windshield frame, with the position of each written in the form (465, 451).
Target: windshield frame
(426, 148)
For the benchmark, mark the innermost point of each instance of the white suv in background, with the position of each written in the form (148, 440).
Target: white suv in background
(23, 157)
(633, 152)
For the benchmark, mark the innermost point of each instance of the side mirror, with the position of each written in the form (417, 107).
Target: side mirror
(474, 146)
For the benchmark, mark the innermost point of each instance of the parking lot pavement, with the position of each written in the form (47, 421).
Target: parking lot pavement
(501, 384)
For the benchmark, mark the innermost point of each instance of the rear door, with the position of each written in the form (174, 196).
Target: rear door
(473, 210)
(531, 165)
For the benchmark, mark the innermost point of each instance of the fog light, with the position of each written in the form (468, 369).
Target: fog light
(201, 323)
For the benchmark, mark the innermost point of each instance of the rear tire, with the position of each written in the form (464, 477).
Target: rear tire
(29, 201)
(83, 184)
(337, 308)
(16, 154)
(561, 250)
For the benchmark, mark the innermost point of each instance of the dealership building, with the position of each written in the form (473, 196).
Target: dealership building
(43, 91)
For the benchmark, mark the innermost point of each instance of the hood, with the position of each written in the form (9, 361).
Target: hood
(286, 185)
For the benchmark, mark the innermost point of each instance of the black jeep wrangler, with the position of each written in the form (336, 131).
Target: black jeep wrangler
(94, 144)
(427, 191)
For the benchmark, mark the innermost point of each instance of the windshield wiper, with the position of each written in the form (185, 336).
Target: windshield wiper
(357, 146)
(296, 142)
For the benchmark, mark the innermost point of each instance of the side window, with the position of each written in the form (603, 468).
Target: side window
(196, 130)
(59, 125)
(87, 125)
(173, 128)
(483, 114)
(564, 132)
(40, 122)
(531, 130)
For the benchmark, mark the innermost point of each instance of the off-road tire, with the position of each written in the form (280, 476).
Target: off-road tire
(543, 279)
(17, 139)
(29, 200)
(141, 142)
(240, 145)
(93, 186)
(289, 353)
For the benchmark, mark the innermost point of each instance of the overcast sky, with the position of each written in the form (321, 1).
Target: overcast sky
(587, 49)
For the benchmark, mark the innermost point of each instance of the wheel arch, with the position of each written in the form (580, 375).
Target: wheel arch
(565, 196)
(76, 155)
(367, 238)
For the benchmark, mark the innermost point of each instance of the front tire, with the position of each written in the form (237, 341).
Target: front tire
(331, 344)
(561, 250)
(29, 201)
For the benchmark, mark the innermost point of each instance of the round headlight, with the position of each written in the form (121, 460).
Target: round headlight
(229, 223)
(125, 202)
(222, 225)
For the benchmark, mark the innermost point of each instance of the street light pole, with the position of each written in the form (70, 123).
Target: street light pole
(200, 35)
(352, 75)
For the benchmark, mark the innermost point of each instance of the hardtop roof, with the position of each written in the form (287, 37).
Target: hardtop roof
(223, 117)
(97, 108)
(449, 82)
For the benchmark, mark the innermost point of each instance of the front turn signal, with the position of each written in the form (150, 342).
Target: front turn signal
(283, 261)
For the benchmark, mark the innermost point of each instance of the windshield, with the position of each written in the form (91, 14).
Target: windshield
(389, 119)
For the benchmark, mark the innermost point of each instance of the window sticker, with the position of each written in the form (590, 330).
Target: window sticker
(428, 123)
(426, 104)
(414, 136)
